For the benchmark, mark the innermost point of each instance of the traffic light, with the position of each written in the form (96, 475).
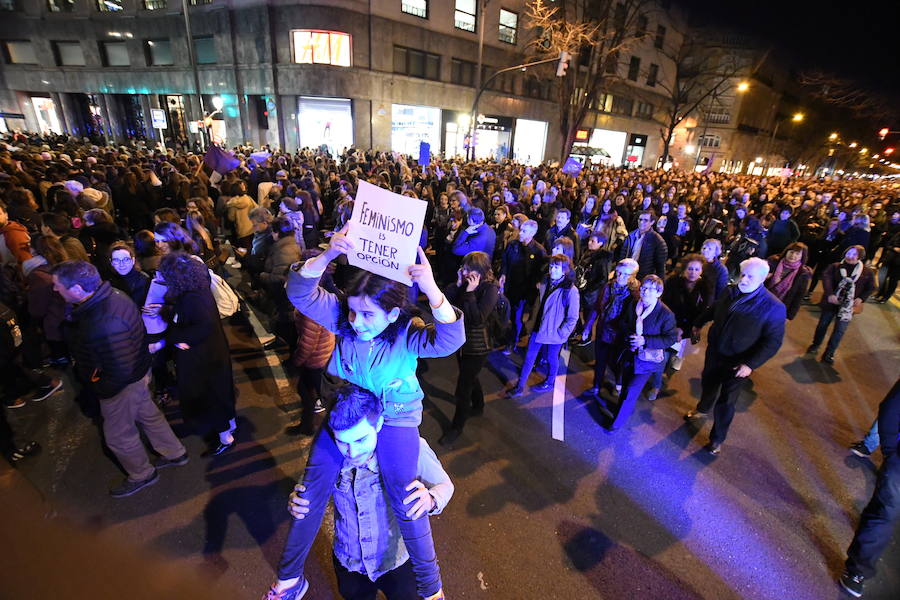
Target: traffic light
(563, 63)
(882, 133)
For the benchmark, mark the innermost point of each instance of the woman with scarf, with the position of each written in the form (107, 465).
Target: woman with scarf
(847, 286)
(790, 277)
(606, 314)
(648, 329)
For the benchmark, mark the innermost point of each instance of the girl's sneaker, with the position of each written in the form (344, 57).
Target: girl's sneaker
(292, 593)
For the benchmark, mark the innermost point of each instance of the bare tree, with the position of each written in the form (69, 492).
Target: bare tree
(595, 33)
(845, 93)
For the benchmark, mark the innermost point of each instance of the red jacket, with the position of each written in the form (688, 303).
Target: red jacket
(17, 240)
(314, 343)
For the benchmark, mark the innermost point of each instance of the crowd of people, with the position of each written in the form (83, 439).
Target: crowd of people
(120, 264)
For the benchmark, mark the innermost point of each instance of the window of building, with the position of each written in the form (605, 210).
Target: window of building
(509, 22)
(642, 25)
(159, 53)
(535, 88)
(660, 36)
(68, 54)
(20, 53)
(622, 106)
(643, 110)
(322, 47)
(205, 50)
(199, 2)
(462, 72)
(114, 54)
(110, 5)
(604, 102)
(719, 116)
(466, 15)
(652, 74)
(155, 4)
(612, 63)
(60, 5)
(619, 16)
(416, 63)
(710, 141)
(634, 67)
(418, 8)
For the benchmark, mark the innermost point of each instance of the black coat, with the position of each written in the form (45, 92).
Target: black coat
(135, 283)
(105, 335)
(687, 304)
(659, 332)
(653, 255)
(889, 421)
(476, 306)
(748, 333)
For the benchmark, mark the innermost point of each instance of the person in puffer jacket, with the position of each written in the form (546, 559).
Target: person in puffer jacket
(379, 344)
(555, 315)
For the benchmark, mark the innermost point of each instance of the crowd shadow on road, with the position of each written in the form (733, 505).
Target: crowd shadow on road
(807, 370)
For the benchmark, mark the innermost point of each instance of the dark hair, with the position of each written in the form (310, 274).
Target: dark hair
(352, 405)
(78, 272)
(654, 279)
(176, 236)
(97, 215)
(568, 268)
(476, 216)
(479, 262)
(689, 258)
(568, 246)
(145, 244)
(167, 215)
(860, 252)
(121, 246)
(804, 251)
(50, 248)
(57, 223)
(283, 227)
(386, 294)
(183, 273)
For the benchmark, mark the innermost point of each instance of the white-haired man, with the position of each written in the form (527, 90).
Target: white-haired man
(747, 330)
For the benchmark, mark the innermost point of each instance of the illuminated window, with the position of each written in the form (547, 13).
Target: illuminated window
(109, 5)
(509, 22)
(60, 5)
(321, 47)
(155, 4)
(418, 8)
(465, 16)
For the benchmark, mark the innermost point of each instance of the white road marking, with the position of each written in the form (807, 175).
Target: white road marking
(278, 374)
(557, 429)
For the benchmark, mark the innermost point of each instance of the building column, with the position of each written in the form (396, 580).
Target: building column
(111, 127)
(362, 123)
(60, 112)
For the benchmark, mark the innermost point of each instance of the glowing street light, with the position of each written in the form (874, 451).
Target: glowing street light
(864, 151)
(758, 160)
(218, 102)
(797, 117)
(833, 136)
(853, 144)
(743, 86)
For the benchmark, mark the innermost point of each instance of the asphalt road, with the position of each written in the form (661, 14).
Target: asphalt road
(645, 513)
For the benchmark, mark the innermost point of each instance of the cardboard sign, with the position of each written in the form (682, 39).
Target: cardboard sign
(385, 228)
(572, 166)
(158, 118)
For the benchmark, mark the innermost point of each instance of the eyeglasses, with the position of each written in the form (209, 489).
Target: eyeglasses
(121, 261)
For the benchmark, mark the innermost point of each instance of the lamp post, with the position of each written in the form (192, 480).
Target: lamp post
(193, 60)
(742, 87)
(795, 118)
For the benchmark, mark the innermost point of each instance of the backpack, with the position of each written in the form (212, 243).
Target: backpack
(499, 323)
(227, 301)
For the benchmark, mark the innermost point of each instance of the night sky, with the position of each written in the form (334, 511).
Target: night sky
(856, 40)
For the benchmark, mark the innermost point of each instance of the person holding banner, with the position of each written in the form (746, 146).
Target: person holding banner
(378, 346)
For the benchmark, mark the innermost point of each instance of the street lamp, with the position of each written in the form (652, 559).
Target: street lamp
(833, 136)
(743, 87)
(796, 118)
(218, 103)
(853, 144)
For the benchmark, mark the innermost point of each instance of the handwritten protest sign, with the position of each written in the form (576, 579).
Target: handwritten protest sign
(385, 228)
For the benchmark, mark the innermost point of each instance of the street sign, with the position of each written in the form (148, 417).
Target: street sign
(158, 117)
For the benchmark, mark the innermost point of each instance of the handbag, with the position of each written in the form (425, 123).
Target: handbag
(656, 356)
(227, 301)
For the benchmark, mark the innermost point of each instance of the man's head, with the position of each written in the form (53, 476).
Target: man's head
(527, 231)
(753, 274)
(563, 216)
(645, 221)
(355, 421)
(476, 217)
(75, 280)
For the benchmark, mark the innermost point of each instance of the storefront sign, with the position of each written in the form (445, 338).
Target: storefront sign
(582, 135)
(158, 117)
(385, 228)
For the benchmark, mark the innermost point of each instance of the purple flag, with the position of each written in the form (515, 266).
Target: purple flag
(572, 166)
(219, 160)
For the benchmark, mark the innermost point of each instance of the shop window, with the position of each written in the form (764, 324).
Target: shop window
(660, 37)
(312, 46)
(415, 63)
(604, 102)
(68, 54)
(114, 54)
(465, 16)
(110, 5)
(205, 50)
(710, 141)
(418, 8)
(60, 5)
(622, 106)
(634, 67)
(462, 72)
(159, 53)
(20, 53)
(643, 110)
(155, 4)
(509, 23)
(652, 74)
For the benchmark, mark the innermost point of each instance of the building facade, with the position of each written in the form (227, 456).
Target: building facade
(384, 74)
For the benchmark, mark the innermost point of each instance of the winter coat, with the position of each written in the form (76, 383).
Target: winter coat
(482, 240)
(747, 328)
(44, 304)
(799, 287)
(239, 208)
(14, 240)
(782, 233)
(653, 254)
(282, 254)
(560, 314)
(385, 367)
(476, 307)
(718, 274)
(522, 265)
(314, 343)
(659, 333)
(686, 304)
(864, 287)
(135, 283)
(889, 421)
(105, 336)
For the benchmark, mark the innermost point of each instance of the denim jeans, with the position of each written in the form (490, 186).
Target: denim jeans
(632, 386)
(840, 327)
(399, 584)
(876, 524)
(517, 311)
(531, 354)
(398, 457)
(872, 439)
